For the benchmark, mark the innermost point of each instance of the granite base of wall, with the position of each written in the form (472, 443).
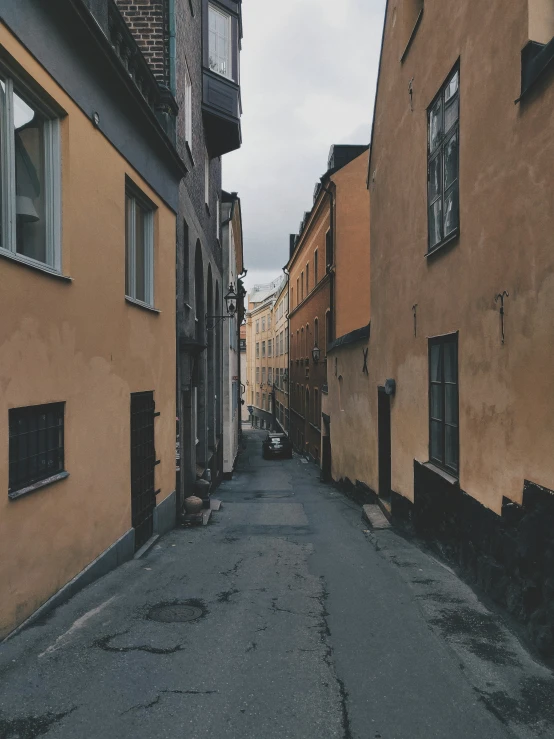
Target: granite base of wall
(511, 556)
(165, 514)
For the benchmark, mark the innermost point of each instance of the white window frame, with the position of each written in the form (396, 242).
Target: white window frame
(228, 63)
(188, 108)
(134, 197)
(52, 174)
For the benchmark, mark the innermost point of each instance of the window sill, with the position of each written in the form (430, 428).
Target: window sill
(38, 485)
(412, 36)
(442, 473)
(32, 264)
(140, 304)
(450, 241)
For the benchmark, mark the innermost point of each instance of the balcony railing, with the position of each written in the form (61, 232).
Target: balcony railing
(157, 96)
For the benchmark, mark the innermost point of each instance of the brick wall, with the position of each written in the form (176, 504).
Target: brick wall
(148, 22)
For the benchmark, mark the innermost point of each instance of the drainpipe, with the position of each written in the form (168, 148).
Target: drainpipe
(241, 295)
(287, 431)
(330, 268)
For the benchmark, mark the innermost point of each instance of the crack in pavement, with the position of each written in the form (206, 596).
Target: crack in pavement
(104, 643)
(30, 727)
(225, 595)
(158, 698)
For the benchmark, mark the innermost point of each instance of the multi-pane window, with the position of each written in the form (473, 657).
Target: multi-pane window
(257, 327)
(286, 340)
(443, 402)
(270, 348)
(36, 445)
(139, 247)
(263, 375)
(302, 284)
(316, 332)
(258, 399)
(257, 349)
(263, 348)
(443, 162)
(257, 375)
(220, 42)
(270, 376)
(188, 107)
(30, 185)
(263, 324)
(316, 258)
(269, 321)
(329, 248)
(307, 279)
(206, 177)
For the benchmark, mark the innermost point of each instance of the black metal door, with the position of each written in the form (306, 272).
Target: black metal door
(384, 444)
(143, 462)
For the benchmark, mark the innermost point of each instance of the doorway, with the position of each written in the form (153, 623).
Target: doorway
(384, 431)
(143, 463)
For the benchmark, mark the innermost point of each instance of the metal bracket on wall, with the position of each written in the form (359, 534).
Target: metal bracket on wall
(501, 296)
(414, 310)
(365, 353)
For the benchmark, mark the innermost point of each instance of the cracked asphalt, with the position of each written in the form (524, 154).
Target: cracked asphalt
(310, 626)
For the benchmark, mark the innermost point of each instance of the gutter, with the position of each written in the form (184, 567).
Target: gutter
(377, 94)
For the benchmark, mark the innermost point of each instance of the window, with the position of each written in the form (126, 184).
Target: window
(257, 349)
(188, 108)
(316, 332)
(270, 348)
(443, 402)
(307, 344)
(269, 322)
(30, 163)
(258, 399)
(302, 284)
(206, 177)
(263, 324)
(257, 375)
(139, 247)
(263, 375)
(316, 407)
(270, 376)
(307, 279)
(302, 343)
(219, 42)
(36, 445)
(263, 348)
(298, 298)
(263, 402)
(443, 154)
(292, 296)
(286, 340)
(329, 248)
(257, 327)
(316, 257)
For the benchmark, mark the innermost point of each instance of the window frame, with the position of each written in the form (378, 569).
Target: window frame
(441, 462)
(216, 9)
(188, 108)
(135, 195)
(439, 152)
(37, 481)
(52, 173)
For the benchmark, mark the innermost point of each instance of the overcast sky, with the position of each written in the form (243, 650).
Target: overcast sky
(308, 77)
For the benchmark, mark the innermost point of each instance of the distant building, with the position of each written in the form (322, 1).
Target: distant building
(280, 325)
(245, 416)
(312, 295)
(260, 352)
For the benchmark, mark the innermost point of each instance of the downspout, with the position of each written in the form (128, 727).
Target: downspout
(288, 349)
(242, 295)
(330, 269)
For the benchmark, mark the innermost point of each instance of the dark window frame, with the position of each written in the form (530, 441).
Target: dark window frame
(438, 154)
(54, 456)
(438, 460)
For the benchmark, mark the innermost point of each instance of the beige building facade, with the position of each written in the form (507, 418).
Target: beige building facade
(87, 340)
(462, 269)
(280, 324)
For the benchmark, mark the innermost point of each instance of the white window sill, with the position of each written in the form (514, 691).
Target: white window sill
(38, 485)
(33, 264)
(140, 304)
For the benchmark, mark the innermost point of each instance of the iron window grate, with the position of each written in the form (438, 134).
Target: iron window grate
(36, 444)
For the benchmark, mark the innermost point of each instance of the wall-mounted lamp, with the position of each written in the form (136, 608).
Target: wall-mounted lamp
(231, 304)
(316, 353)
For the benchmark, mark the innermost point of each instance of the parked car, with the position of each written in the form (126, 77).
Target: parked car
(276, 445)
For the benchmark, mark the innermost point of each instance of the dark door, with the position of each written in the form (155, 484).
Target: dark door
(384, 444)
(143, 462)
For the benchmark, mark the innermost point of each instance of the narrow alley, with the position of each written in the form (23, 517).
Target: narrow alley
(306, 625)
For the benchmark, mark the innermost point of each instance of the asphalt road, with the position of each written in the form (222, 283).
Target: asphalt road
(311, 627)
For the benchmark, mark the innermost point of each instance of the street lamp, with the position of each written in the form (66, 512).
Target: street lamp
(316, 353)
(231, 305)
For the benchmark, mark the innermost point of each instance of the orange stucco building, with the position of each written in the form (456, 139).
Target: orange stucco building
(87, 339)
(462, 309)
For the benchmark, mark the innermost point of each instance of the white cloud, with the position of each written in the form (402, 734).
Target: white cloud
(308, 81)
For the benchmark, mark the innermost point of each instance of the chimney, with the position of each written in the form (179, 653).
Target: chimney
(148, 22)
(292, 243)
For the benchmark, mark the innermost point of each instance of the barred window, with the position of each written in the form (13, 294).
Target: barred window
(36, 445)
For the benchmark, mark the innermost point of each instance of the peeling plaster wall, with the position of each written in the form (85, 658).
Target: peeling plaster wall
(507, 221)
(82, 343)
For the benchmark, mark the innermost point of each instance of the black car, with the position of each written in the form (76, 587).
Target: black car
(276, 445)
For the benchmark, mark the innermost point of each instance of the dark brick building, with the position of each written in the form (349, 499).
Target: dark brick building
(193, 46)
